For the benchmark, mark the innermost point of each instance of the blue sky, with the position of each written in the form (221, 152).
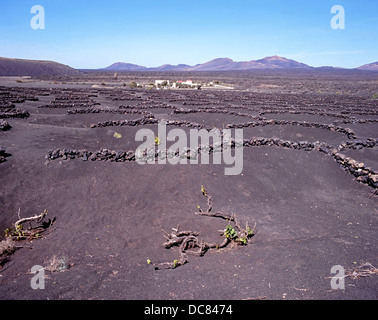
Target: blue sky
(95, 34)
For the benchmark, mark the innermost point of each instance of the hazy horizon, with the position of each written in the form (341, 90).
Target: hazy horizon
(151, 34)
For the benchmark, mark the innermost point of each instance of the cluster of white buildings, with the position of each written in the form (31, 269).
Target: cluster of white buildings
(176, 84)
(166, 84)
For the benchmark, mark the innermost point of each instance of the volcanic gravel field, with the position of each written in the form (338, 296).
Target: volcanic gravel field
(309, 184)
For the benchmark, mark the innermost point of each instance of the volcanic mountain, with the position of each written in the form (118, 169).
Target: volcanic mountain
(35, 68)
(122, 66)
(370, 67)
(219, 64)
(169, 67)
(280, 62)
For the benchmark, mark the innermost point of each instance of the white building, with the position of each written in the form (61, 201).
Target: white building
(189, 82)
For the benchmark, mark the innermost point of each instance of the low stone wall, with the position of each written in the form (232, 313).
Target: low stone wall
(214, 110)
(348, 132)
(132, 123)
(362, 173)
(359, 144)
(13, 113)
(110, 111)
(358, 169)
(355, 121)
(150, 120)
(85, 155)
(318, 113)
(63, 105)
(148, 105)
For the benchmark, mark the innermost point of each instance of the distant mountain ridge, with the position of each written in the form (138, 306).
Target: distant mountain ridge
(35, 68)
(51, 69)
(219, 64)
(122, 66)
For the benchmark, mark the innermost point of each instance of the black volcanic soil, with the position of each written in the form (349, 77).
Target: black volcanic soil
(313, 209)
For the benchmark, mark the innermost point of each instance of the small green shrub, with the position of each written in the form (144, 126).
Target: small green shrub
(230, 232)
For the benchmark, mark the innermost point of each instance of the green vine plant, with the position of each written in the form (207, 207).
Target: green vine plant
(19, 232)
(24, 229)
(187, 241)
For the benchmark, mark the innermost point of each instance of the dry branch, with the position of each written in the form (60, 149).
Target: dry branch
(37, 218)
(186, 241)
(364, 270)
(19, 232)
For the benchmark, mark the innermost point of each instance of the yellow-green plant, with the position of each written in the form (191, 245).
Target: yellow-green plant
(117, 135)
